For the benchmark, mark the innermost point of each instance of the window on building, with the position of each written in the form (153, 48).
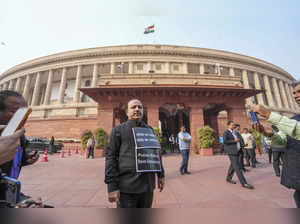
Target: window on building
(87, 83)
(238, 72)
(176, 68)
(193, 68)
(224, 70)
(140, 66)
(158, 67)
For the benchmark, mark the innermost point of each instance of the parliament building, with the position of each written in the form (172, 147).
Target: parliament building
(73, 91)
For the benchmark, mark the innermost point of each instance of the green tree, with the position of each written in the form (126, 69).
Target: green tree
(205, 138)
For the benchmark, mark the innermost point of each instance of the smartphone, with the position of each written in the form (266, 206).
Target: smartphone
(17, 121)
(254, 117)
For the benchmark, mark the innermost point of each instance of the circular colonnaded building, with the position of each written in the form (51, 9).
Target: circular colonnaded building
(73, 91)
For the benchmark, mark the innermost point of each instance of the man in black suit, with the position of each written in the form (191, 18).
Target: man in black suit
(126, 185)
(231, 147)
(242, 144)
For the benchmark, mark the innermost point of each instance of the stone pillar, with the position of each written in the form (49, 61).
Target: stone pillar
(201, 69)
(196, 121)
(268, 91)
(153, 115)
(95, 76)
(18, 85)
(149, 66)
(289, 96)
(48, 88)
(185, 68)
(231, 71)
(112, 68)
(130, 67)
(258, 86)
(36, 91)
(77, 85)
(168, 67)
(11, 84)
(293, 100)
(276, 92)
(27, 87)
(62, 86)
(284, 96)
(246, 85)
(6, 84)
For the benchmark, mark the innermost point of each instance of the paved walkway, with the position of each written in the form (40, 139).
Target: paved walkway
(78, 182)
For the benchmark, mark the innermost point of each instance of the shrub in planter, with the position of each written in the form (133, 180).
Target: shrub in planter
(101, 142)
(205, 140)
(101, 138)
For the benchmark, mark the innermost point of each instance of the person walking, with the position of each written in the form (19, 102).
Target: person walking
(232, 147)
(184, 139)
(90, 146)
(172, 143)
(249, 147)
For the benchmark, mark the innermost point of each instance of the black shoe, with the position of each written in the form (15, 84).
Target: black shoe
(230, 181)
(187, 172)
(248, 164)
(182, 173)
(248, 186)
(277, 175)
(253, 166)
(246, 170)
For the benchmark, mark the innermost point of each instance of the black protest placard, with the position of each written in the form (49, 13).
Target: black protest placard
(147, 149)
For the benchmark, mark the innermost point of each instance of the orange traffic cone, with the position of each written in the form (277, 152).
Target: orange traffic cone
(62, 154)
(45, 157)
(76, 150)
(69, 151)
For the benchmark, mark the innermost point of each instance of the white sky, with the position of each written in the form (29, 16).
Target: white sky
(266, 29)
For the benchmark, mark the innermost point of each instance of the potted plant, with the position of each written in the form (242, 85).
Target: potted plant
(159, 137)
(205, 140)
(101, 142)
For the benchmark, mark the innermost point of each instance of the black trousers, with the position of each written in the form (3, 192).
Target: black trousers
(172, 147)
(241, 159)
(142, 200)
(270, 155)
(235, 167)
(276, 161)
(297, 198)
(91, 152)
(250, 157)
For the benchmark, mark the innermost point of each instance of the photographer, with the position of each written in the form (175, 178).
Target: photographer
(288, 135)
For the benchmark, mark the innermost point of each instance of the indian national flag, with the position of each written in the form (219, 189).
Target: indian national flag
(149, 29)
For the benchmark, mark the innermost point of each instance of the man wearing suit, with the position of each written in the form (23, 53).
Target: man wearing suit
(242, 144)
(232, 146)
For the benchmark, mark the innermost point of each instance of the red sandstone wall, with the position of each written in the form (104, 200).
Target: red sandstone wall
(59, 128)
